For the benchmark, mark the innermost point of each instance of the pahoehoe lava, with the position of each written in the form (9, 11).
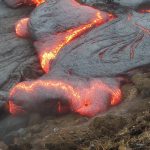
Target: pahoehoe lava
(82, 50)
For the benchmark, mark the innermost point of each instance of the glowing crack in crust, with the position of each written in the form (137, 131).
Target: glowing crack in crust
(48, 55)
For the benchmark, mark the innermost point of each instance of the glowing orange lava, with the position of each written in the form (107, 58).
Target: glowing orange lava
(82, 101)
(22, 27)
(145, 11)
(14, 109)
(38, 2)
(48, 55)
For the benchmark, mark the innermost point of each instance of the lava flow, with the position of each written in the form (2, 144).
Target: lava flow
(48, 55)
(86, 101)
(86, 98)
(22, 27)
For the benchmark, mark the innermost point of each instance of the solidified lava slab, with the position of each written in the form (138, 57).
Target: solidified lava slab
(62, 95)
(78, 46)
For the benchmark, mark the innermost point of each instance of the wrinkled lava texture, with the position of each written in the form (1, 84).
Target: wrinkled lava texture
(82, 51)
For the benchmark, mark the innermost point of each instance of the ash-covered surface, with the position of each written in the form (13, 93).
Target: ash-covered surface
(113, 49)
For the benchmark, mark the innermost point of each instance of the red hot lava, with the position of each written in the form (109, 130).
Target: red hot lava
(145, 11)
(22, 27)
(38, 2)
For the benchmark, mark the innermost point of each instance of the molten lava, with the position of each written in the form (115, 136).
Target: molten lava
(22, 27)
(38, 2)
(145, 11)
(48, 55)
(15, 109)
(85, 101)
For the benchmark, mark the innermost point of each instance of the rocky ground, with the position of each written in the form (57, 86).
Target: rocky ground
(124, 127)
